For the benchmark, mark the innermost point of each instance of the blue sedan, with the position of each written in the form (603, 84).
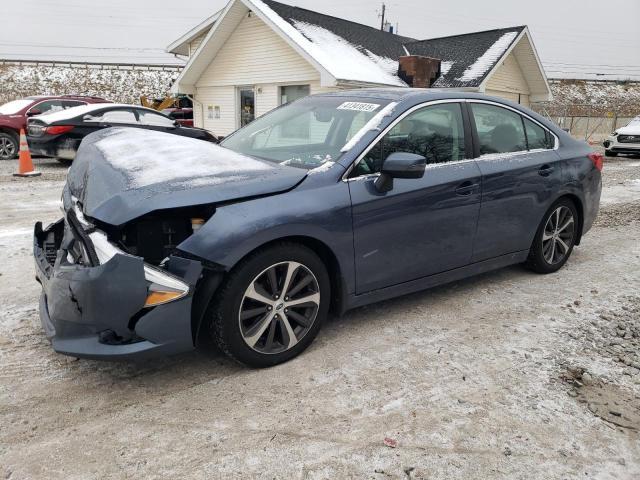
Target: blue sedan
(325, 204)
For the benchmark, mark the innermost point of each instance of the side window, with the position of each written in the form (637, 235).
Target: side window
(537, 137)
(499, 130)
(435, 132)
(49, 106)
(71, 103)
(117, 116)
(153, 119)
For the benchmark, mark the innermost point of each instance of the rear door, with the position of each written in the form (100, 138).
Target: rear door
(422, 226)
(521, 173)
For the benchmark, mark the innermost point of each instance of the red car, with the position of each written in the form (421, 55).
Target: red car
(13, 116)
(184, 116)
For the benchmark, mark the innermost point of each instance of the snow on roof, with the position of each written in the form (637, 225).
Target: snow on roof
(489, 58)
(148, 157)
(69, 113)
(343, 60)
(445, 67)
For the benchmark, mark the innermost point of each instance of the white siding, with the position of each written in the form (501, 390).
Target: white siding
(508, 77)
(195, 43)
(521, 98)
(529, 67)
(254, 55)
(222, 97)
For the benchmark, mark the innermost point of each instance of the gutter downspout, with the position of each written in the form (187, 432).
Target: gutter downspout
(194, 101)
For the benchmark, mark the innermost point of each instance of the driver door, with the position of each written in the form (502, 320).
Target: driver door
(421, 226)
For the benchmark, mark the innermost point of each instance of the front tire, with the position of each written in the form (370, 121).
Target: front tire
(8, 146)
(555, 238)
(271, 306)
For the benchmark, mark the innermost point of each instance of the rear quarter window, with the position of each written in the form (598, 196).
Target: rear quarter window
(537, 136)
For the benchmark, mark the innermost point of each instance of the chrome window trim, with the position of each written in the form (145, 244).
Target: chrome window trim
(556, 145)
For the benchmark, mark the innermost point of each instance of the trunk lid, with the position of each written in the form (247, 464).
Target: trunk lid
(123, 173)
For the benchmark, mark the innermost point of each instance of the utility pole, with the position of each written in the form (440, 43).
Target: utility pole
(384, 8)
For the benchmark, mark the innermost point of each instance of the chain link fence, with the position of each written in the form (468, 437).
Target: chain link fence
(591, 128)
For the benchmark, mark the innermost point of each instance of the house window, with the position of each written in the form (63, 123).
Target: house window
(289, 93)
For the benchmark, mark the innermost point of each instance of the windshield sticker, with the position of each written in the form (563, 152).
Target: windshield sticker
(359, 106)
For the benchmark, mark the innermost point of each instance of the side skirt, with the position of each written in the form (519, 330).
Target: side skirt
(435, 280)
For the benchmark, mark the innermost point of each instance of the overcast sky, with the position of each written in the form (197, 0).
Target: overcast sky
(574, 37)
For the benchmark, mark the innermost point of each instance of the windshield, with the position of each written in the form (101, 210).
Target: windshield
(634, 123)
(11, 108)
(306, 133)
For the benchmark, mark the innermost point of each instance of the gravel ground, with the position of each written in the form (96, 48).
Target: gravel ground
(505, 375)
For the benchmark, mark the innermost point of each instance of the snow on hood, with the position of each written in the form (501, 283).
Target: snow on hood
(148, 157)
(631, 129)
(123, 173)
(482, 65)
(69, 113)
(340, 58)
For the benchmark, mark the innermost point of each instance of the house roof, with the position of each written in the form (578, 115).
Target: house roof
(349, 53)
(181, 45)
(466, 59)
(381, 43)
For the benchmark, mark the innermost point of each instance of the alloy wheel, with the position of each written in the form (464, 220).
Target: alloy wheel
(557, 238)
(279, 307)
(7, 148)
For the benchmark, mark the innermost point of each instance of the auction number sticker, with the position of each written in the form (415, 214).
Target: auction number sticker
(359, 106)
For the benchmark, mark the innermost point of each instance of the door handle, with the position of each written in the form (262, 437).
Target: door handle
(545, 170)
(466, 188)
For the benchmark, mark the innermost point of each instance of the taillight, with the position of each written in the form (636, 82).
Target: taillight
(58, 129)
(597, 159)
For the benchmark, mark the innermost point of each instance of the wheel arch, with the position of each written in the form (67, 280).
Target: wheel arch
(577, 202)
(329, 259)
(10, 131)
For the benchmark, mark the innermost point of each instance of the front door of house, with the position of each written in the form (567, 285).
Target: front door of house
(247, 105)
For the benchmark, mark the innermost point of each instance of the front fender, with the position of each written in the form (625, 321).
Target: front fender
(322, 213)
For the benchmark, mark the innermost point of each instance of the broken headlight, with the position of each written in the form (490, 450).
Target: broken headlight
(161, 286)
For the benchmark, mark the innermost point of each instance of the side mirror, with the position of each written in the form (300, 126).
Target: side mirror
(33, 113)
(176, 123)
(400, 165)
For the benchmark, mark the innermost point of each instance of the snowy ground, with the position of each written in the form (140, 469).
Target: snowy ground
(506, 375)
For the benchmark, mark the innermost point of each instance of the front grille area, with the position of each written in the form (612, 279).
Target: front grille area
(629, 138)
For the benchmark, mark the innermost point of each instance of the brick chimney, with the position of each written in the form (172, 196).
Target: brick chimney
(418, 71)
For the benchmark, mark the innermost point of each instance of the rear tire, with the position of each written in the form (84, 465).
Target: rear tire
(9, 145)
(271, 306)
(555, 238)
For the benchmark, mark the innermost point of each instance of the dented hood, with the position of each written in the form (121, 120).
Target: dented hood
(122, 173)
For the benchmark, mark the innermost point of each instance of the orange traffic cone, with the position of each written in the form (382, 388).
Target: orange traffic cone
(25, 164)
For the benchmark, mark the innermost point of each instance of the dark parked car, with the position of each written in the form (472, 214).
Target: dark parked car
(330, 202)
(13, 116)
(59, 134)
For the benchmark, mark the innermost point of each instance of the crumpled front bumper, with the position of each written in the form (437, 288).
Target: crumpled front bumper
(98, 311)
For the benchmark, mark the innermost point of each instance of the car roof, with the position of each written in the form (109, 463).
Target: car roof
(401, 93)
(72, 97)
(73, 112)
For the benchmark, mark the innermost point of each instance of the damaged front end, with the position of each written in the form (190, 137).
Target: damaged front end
(106, 297)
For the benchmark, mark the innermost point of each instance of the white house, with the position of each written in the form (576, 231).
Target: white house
(255, 55)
